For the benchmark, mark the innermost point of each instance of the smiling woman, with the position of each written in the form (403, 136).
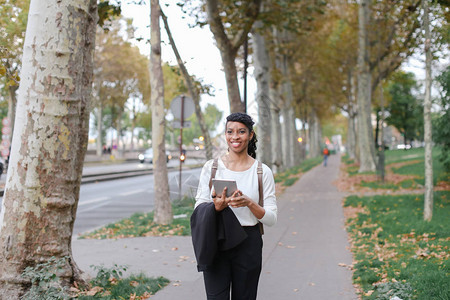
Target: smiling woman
(241, 213)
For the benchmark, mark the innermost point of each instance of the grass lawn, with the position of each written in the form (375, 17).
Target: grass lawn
(397, 253)
(404, 169)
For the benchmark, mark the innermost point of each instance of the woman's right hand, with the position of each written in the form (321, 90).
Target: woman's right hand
(221, 201)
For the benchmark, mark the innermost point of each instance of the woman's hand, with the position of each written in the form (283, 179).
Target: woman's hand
(238, 199)
(220, 201)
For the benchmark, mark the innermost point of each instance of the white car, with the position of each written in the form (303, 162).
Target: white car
(147, 156)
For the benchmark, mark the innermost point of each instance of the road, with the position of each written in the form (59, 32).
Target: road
(109, 201)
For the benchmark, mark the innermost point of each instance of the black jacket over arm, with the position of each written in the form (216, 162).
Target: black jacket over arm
(212, 232)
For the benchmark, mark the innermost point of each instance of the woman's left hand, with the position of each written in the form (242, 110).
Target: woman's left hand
(240, 200)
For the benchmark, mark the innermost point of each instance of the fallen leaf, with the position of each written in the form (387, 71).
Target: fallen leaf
(146, 295)
(94, 291)
(174, 249)
(290, 247)
(312, 284)
(296, 290)
(134, 283)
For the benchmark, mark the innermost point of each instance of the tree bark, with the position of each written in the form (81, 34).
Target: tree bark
(288, 115)
(428, 205)
(163, 207)
(192, 90)
(49, 142)
(262, 76)
(228, 47)
(365, 134)
(99, 130)
(315, 135)
(277, 159)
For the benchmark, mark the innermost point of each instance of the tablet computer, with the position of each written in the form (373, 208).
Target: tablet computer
(220, 184)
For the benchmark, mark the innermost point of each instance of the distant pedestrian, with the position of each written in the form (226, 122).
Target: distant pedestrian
(226, 231)
(326, 153)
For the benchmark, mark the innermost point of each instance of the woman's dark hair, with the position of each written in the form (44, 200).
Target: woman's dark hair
(247, 121)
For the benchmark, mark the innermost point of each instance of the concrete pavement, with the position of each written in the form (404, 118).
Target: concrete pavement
(302, 254)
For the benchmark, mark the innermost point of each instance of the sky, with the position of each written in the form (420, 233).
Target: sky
(197, 48)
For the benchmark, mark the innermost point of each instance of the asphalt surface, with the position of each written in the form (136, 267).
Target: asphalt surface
(304, 254)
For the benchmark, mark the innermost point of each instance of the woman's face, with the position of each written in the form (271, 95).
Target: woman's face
(238, 136)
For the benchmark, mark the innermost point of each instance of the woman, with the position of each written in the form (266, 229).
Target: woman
(239, 268)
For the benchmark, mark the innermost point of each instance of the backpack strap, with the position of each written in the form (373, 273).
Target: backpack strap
(213, 172)
(261, 193)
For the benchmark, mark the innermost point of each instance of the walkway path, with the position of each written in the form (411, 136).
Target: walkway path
(302, 254)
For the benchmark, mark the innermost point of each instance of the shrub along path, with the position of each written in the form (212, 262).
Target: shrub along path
(305, 255)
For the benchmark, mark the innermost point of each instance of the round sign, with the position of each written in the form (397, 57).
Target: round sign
(5, 152)
(188, 107)
(6, 121)
(5, 143)
(6, 130)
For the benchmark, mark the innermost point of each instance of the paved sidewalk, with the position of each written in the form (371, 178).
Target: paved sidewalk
(301, 253)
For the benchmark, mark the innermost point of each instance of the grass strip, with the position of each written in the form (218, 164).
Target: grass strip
(141, 224)
(396, 252)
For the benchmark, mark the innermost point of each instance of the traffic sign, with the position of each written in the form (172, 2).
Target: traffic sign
(188, 107)
(6, 121)
(5, 143)
(5, 152)
(6, 130)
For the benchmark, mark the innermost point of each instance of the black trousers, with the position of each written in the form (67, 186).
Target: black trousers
(238, 269)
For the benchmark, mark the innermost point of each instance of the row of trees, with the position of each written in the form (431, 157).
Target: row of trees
(313, 59)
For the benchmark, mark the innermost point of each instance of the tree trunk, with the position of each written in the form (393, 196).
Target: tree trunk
(163, 207)
(192, 90)
(288, 113)
(351, 136)
(49, 142)
(365, 134)
(99, 130)
(277, 159)
(428, 206)
(275, 104)
(315, 135)
(228, 47)
(262, 76)
(133, 125)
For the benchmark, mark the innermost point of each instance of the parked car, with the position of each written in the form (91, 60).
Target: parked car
(147, 156)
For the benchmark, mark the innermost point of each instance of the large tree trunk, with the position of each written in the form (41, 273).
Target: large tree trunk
(228, 46)
(315, 135)
(288, 113)
(277, 158)
(262, 76)
(351, 135)
(163, 207)
(49, 142)
(365, 134)
(192, 90)
(428, 206)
